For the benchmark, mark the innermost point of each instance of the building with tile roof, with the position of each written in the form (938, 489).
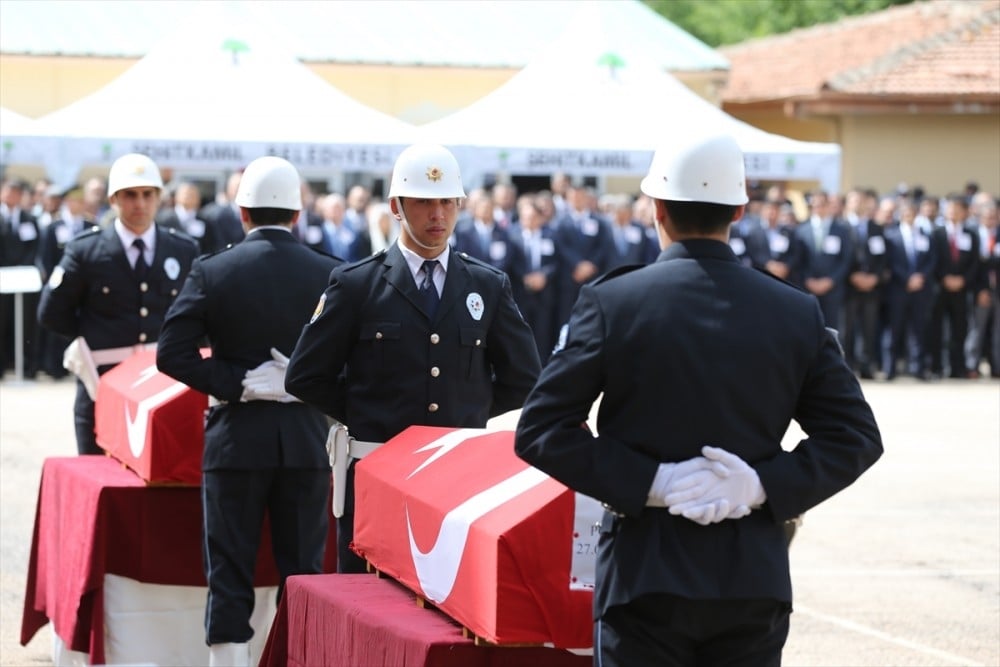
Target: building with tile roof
(912, 93)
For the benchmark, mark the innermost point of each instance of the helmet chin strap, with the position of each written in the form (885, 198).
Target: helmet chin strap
(406, 225)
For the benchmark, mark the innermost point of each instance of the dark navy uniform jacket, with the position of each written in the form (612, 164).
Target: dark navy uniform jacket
(373, 359)
(696, 349)
(93, 292)
(244, 300)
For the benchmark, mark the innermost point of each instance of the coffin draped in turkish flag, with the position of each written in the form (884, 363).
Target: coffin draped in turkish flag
(149, 421)
(455, 516)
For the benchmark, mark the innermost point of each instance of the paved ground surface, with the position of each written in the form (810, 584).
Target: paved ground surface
(903, 568)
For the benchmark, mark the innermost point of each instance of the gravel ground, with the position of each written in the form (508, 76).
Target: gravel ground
(903, 568)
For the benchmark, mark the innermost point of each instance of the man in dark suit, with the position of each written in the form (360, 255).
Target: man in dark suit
(696, 350)
(912, 263)
(18, 247)
(309, 228)
(264, 451)
(585, 240)
(748, 241)
(114, 285)
(224, 217)
(426, 335)
(183, 216)
(957, 274)
(864, 283)
(535, 269)
(785, 250)
(68, 222)
(829, 248)
(483, 238)
(633, 243)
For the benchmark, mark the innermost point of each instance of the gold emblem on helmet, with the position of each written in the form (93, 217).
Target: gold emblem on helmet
(434, 174)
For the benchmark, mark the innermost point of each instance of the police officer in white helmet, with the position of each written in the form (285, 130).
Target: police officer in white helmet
(702, 364)
(112, 287)
(430, 336)
(264, 450)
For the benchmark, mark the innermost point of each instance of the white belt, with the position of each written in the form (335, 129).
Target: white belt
(342, 448)
(116, 355)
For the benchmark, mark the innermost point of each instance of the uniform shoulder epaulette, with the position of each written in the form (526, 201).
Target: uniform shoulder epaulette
(173, 231)
(780, 280)
(209, 255)
(89, 231)
(477, 262)
(614, 273)
(320, 251)
(378, 256)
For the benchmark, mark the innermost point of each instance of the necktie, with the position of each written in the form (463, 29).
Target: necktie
(911, 256)
(427, 289)
(818, 235)
(140, 267)
(620, 243)
(536, 252)
(953, 245)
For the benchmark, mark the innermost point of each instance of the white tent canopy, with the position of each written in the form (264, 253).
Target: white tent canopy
(216, 96)
(588, 106)
(13, 127)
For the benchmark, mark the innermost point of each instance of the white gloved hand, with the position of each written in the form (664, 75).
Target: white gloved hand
(666, 472)
(267, 381)
(714, 512)
(279, 357)
(699, 495)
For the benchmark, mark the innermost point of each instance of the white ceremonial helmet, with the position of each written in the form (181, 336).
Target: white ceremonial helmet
(701, 168)
(133, 170)
(270, 182)
(427, 171)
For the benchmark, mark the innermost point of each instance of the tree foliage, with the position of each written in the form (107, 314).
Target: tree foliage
(718, 22)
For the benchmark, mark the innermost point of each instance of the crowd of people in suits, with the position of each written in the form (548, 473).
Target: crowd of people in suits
(909, 279)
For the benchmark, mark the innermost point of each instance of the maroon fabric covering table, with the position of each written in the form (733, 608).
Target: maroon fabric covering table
(362, 620)
(94, 517)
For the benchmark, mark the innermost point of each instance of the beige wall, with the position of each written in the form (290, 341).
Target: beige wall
(808, 129)
(34, 86)
(414, 94)
(941, 153)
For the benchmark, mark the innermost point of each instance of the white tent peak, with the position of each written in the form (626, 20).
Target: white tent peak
(216, 95)
(228, 84)
(593, 105)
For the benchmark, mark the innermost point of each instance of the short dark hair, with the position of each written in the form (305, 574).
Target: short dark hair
(270, 216)
(700, 217)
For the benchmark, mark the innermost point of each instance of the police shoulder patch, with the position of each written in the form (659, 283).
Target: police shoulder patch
(319, 308)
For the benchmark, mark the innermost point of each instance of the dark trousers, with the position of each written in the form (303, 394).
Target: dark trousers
(83, 422)
(832, 305)
(9, 342)
(348, 562)
(909, 316)
(234, 503)
(661, 630)
(861, 319)
(953, 308)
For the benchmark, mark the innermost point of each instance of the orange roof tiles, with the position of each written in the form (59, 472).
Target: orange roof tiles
(932, 48)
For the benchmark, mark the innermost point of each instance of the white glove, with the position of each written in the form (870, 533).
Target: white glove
(279, 357)
(714, 512)
(267, 381)
(667, 472)
(699, 495)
